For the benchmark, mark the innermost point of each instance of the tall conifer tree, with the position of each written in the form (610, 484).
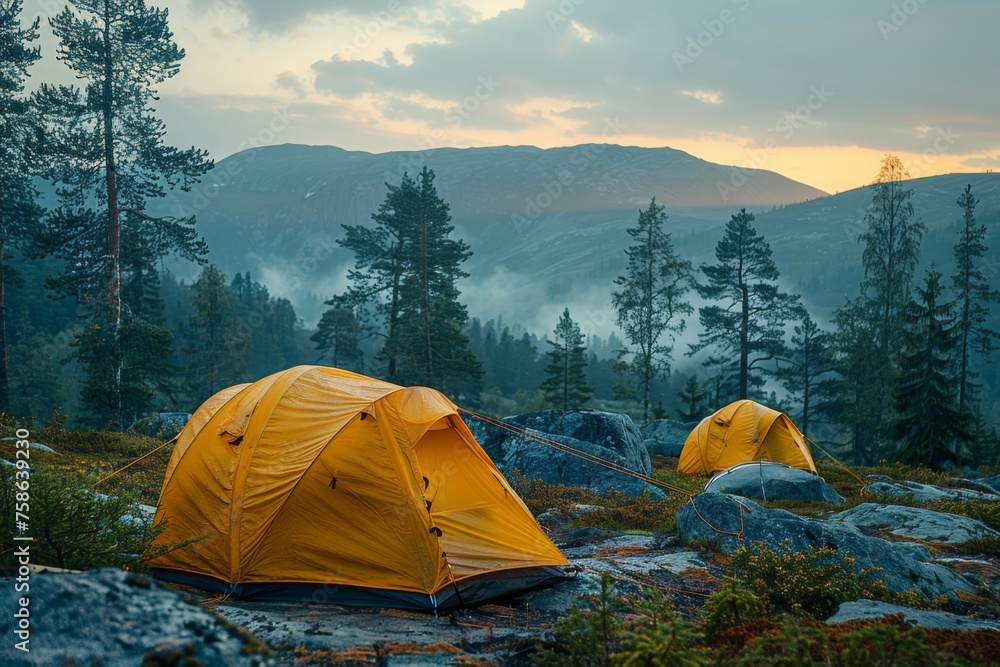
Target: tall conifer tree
(107, 159)
(650, 304)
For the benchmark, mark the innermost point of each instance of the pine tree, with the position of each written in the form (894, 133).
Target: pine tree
(409, 266)
(338, 334)
(973, 300)
(693, 397)
(217, 348)
(565, 384)
(107, 159)
(747, 319)
(807, 369)
(650, 305)
(19, 212)
(928, 426)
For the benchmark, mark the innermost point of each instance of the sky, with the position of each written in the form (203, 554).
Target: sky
(817, 91)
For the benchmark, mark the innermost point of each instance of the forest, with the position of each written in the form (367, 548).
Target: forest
(96, 331)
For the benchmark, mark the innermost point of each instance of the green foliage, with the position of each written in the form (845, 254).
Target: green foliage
(870, 326)
(565, 384)
(124, 367)
(884, 645)
(794, 645)
(74, 527)
(216, 346)
(19, 212)
(806, 371)
(693, 397)
(337, 335)
(928, 424)
(657, 635)
(729, 607)
(406, 267)
(586, 637)
(650, 305)
(973, 298)
(814, 581)
(747, 317)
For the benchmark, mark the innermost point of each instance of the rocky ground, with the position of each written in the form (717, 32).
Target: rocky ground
(111, 617)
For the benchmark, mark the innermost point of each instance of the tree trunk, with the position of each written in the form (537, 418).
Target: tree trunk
(114, 230)
(745, 343)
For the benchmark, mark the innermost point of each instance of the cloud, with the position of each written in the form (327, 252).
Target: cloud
(706, 96)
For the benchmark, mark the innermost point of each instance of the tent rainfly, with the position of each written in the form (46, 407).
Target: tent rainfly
(320, 484)
(744, 431)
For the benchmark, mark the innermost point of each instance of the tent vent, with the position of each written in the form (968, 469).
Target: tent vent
(333, 483)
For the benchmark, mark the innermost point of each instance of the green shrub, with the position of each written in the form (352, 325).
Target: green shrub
(796, 644)
(987, 511)
(73, 527)
(729, 607)
(586, 637)
(814, 581)
(883, 645)
(658, 635)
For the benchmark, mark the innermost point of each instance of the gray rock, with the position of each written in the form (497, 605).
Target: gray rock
(943, 620)
(667, 436)
(906, 566)
(605, 435)
(34, 445)
(992, 482)
(768, 480)
(562, 595)
(163, 425)
(917, 523)
(113, 617)
(887, 488)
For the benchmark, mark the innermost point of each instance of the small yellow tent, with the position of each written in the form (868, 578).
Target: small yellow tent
(744, 431)
(321, 484)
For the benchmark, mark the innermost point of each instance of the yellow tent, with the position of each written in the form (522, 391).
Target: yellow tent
(744, 431)
(321, 484)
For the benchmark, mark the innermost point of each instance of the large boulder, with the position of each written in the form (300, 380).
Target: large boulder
(767, 480)
(917, 523)
(608, 436)
(163, 425)
(726, 518)
(666, 436)
(887, 488)
(112, 617)
(865, 609)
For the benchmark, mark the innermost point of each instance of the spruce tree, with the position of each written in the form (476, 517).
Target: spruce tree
(217, 350)
(748, 314)
(107, 158)
(565, 384)
(409, 266)
(693, 397)
(973, 297)
(928, 426)
(650, 305)
(807, 368)
(855, 400)
(338, 334)
(19, 212)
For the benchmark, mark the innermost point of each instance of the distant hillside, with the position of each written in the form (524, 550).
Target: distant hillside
(277, 212)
